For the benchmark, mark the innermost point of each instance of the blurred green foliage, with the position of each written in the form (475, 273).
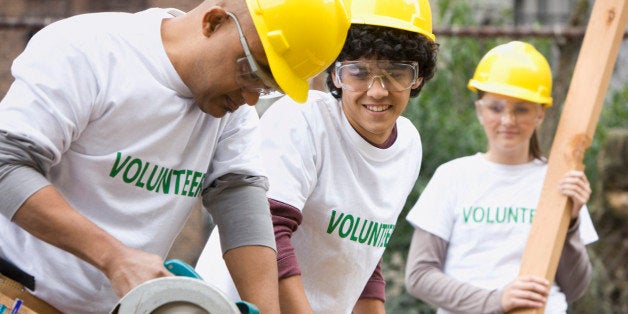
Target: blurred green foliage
(445, 117)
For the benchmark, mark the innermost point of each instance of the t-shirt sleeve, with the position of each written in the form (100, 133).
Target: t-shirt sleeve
(238, 206)
(434, 211)
(47, 107)
(376, 285)
(574, 271)
(286, 220)
(23, 165)
(288, 153)
(587, 230)
(237, 150)
(54, 93)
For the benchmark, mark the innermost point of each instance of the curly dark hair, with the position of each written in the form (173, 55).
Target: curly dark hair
(368, 41)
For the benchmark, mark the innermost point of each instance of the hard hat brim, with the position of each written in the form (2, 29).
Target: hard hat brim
(392, 23)
(292, 65)
(511, 91)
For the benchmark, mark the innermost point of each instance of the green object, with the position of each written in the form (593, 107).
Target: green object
(4, 308)
(181, 268)
(247, 308)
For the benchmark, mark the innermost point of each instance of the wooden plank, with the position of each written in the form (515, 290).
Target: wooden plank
(576, 127)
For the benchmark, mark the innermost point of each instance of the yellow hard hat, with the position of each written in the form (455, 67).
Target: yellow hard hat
(300, 38)
(515, 69)
(414, 15)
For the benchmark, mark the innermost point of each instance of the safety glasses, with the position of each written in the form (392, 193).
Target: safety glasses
(498, 110)
(250, 75)
(359, 76)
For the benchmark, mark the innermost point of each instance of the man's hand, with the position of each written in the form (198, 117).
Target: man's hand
(133, 268)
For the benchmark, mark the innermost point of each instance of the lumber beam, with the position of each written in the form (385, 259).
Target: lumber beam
(576, 127)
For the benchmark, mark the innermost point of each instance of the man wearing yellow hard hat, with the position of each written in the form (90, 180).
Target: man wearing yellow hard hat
(117, 123)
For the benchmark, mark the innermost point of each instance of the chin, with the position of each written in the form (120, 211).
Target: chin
(216, 113)
(212, 109)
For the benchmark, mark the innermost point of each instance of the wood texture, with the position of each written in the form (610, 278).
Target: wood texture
(575, 131)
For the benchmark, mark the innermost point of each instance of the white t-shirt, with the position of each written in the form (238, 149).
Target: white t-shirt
(349, 191)
(131, 148)
(484, 211)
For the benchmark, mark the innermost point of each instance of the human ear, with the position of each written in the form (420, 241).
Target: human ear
(541, 116)
(212, 19)
(334, 79)
(417, 83)
(477, 112)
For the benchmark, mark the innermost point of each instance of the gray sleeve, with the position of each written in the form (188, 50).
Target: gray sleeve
(574, 271)
(425, 279)
(239, 208)
(23, 165)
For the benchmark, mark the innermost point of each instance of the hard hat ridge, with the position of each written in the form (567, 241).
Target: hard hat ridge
(514, 69)
(414, 16)
(300, 39)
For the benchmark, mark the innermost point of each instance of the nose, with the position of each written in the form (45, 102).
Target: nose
(508, 117)
(379, 78)
(377, 90)
(251, 98)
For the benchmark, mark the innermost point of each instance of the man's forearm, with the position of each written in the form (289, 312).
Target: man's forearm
(254, 273)
(292, 296)
(48, 216)
(369, 306)
(239, 207)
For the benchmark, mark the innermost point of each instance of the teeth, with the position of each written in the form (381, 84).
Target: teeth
(377, 108)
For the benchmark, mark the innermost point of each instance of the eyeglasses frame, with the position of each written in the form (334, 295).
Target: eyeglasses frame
(338, 64)
(256, 69)
(482, 104)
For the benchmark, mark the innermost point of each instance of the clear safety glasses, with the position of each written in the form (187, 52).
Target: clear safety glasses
(521, 112)
(250, 75)
(394, 76)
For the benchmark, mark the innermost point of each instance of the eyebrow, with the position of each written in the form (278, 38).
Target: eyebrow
(523, 103)
(505, 102)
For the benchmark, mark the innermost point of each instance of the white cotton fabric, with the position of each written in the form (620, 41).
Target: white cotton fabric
(484, 211)
(318, 163)
(100, 93)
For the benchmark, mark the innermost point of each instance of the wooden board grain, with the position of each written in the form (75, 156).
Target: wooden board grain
(576, 127)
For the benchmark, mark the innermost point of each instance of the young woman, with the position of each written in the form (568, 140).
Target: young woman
(474, 216)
